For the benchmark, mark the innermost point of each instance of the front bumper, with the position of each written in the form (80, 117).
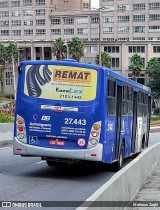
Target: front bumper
(93, 154)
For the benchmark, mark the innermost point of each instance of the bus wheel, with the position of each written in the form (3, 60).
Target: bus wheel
(118, 165)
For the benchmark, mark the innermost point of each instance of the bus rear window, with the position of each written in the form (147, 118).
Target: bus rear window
(60, 82)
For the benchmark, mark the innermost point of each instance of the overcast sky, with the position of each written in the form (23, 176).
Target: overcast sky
(95, 3)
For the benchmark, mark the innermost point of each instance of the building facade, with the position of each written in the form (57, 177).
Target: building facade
(120, 28)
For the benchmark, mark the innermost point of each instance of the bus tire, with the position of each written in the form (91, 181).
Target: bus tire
(118, 165)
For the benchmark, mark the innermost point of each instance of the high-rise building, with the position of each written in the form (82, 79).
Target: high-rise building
(118, 27)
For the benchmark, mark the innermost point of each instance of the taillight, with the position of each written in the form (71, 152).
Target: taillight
(20, 121)
(21, 130)
(96, 127)
(94, 135)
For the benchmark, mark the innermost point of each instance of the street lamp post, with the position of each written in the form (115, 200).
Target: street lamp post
(99, 43)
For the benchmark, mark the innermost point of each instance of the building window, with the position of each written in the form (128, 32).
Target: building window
(123, 29)
(123, 7)
(28, 32)
(138, 18)
(40, 22)
(40, 2)
(90, 60)
(111, 49)
(155, 5)
(4, 23)
(4, 32)
(27, 12)
(68, 21)
(139, 29)
(108, 30)
(115, 62)
(69, 31)
(109, 19)
(15, 3)
(40, 31)
(85, 6)
(83, 20)
(94, 19)
(82, 30)
(16, 32)
(9, 78)
(27, 2)
(56, 21)
(123, 18)
(16, 22)
(55, 31)
(28, 22)
(4, 13)
(4, 4)
(156, 49)
(154, 38)
(154, 17)
(123, 39)
(138, 38)
(94, 30)
(138, 6)
(40, 11)
(136, 49)
(16, 13)
(154, 29)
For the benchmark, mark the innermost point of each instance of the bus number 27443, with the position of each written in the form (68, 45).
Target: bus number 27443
(71, 121)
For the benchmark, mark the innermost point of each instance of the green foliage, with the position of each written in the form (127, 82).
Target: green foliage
(6, 118)
(7, 96)
(59, 48)
(137, 65)
(153, 70)
(105, 59)
(75, 47)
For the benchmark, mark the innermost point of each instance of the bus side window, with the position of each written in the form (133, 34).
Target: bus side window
(130, 103)
(111, 101)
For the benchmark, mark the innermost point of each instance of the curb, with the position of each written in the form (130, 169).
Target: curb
(129, 180)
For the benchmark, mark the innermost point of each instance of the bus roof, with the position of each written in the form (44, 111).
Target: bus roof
(71, 62)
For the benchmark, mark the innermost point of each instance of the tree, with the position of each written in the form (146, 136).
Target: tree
(12, 53)
(75, 47)
(59, 48)
(137, 64)
(2, 65)
(105, 59)
(153, 70)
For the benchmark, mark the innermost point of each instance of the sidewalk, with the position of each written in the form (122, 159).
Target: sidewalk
(149, 193)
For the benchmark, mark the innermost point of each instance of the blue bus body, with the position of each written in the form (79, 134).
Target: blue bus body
(75, 111)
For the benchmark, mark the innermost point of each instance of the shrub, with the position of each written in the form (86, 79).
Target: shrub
(6, 118)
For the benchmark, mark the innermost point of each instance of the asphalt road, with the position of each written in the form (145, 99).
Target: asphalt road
(30, 179)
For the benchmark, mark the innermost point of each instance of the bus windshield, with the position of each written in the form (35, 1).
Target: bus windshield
(56, 82)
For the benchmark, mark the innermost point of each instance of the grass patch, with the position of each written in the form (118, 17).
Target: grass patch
(155, 120)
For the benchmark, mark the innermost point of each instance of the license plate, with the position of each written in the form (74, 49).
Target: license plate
(57, 142)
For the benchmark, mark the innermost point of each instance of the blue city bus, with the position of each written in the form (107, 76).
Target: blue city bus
(71, 111)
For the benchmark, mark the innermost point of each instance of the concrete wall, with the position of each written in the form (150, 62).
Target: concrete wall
(124, 185)
(6, 133)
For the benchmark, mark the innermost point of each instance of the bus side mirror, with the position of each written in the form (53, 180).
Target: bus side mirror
(19, 69)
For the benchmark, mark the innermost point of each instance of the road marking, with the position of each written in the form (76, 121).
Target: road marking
(5, 148)
(41, 162)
